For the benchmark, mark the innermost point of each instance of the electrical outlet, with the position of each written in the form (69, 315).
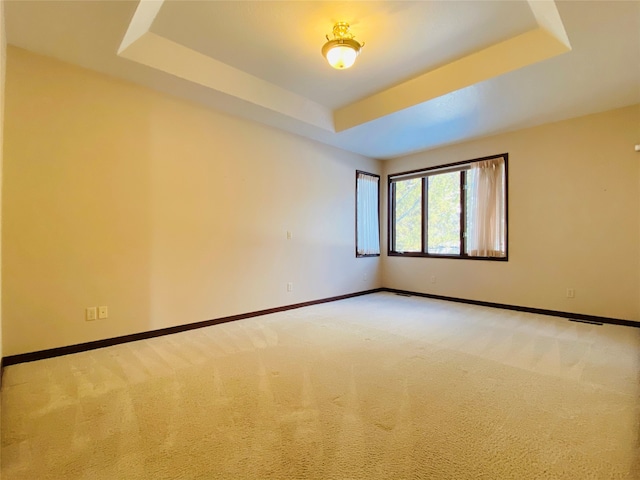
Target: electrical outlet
(289, 235)
(571, 293)
(433, 279)
(103, 312)
(91, 314)
(290, 287)
(365, 277)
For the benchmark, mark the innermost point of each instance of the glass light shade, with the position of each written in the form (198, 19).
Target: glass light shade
(341, 56)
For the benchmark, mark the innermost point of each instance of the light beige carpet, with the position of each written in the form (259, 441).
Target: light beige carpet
(375, 387)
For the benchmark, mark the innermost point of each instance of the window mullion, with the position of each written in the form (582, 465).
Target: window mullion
(425, 204)
(463, 211)
(392, 217)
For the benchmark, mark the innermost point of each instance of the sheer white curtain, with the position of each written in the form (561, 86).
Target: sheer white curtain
(367, 225)
(486, 215)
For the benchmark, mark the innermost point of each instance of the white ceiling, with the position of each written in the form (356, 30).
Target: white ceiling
(282, 45)
(430, 74)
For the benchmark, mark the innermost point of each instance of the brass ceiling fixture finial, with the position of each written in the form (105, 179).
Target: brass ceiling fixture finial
(342, 50)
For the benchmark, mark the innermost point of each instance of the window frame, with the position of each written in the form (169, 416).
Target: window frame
(358, 255)
(391, 210)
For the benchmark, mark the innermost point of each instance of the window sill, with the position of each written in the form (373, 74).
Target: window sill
(456, 257)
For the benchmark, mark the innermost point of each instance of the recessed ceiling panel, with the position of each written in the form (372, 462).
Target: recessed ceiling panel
(280, 42)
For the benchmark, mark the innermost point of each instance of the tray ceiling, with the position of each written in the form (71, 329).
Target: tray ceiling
(430, 74)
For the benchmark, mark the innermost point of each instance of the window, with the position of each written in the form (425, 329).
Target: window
(453, 211)
(367, 214)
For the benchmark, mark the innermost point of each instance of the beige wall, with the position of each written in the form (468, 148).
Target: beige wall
(170, 213)
(574, 220)
(166, 212)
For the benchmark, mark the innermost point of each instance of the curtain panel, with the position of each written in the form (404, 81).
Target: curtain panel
(487, 215)
(367, 213)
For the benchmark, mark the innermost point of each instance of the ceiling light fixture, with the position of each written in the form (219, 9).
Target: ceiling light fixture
(341, 52)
